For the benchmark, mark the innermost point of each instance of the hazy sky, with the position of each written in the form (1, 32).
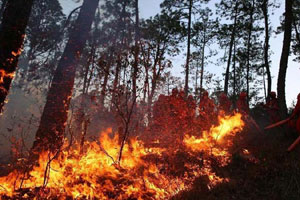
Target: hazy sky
(151, 7)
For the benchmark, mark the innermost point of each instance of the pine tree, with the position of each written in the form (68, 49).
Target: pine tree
(50, 133)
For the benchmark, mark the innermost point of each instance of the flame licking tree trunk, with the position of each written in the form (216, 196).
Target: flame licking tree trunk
(50, 133)
(12, 31)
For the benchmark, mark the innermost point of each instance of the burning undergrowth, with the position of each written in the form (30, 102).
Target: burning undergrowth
(142, 173)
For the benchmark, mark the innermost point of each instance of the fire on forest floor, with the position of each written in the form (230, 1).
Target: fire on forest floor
(143, 173)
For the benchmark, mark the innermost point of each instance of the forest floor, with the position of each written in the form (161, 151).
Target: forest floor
(274, 175)
(270, 173)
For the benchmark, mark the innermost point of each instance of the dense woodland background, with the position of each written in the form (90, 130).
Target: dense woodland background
(81, 73)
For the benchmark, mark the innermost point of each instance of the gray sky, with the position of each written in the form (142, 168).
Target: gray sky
(151, 7)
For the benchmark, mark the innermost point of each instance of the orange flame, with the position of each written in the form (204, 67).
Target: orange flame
(97, 174)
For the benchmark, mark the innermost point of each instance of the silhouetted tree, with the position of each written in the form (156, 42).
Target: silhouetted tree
(288, 20)
(12, 33)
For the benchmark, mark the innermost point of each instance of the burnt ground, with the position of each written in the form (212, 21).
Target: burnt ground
(275, 174)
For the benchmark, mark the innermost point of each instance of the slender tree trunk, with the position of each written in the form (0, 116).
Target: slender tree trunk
(187, 66)
(249, 50)
(136, 53)
(196, 78)
(202, 66)
(50, 133)
(116, 79)
(230, 51)
(284, 57)
(105, 81)
(267, 46)
(234, 69)
(264, 83)
(12, 31)
(87, 69)
(146, 83)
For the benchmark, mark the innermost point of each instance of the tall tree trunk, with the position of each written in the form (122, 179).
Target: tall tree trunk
(50, 133)
(196, 77)
(230, 51)
(146, 82)
(12, 31)
(234, 69)
(187, 66)
(249, 50)
(264, 83)
(116, 79)
(267, 46)
(105, 81)
(136, 52)
(202, 66)
(284, 57)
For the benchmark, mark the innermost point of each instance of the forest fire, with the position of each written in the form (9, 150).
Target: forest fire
(96, 173)
(124, 99)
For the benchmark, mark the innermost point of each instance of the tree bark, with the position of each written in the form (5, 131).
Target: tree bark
(50, 133)
(187, 66)
(267, 46)
(12, 32)
(136, 51)
(284, 57)
(230, 51)
(249, 50)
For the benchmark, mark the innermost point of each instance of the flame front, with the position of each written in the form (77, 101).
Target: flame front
(96, 173)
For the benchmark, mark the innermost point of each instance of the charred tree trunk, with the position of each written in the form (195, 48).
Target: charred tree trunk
(249, 50)
(230, 51)
(284, 57)
(136, 51)
(50, 133)
(12, 31)
(187, 65)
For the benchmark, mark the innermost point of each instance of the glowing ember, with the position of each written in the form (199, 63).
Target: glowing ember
(97, 173)
(4, 75)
